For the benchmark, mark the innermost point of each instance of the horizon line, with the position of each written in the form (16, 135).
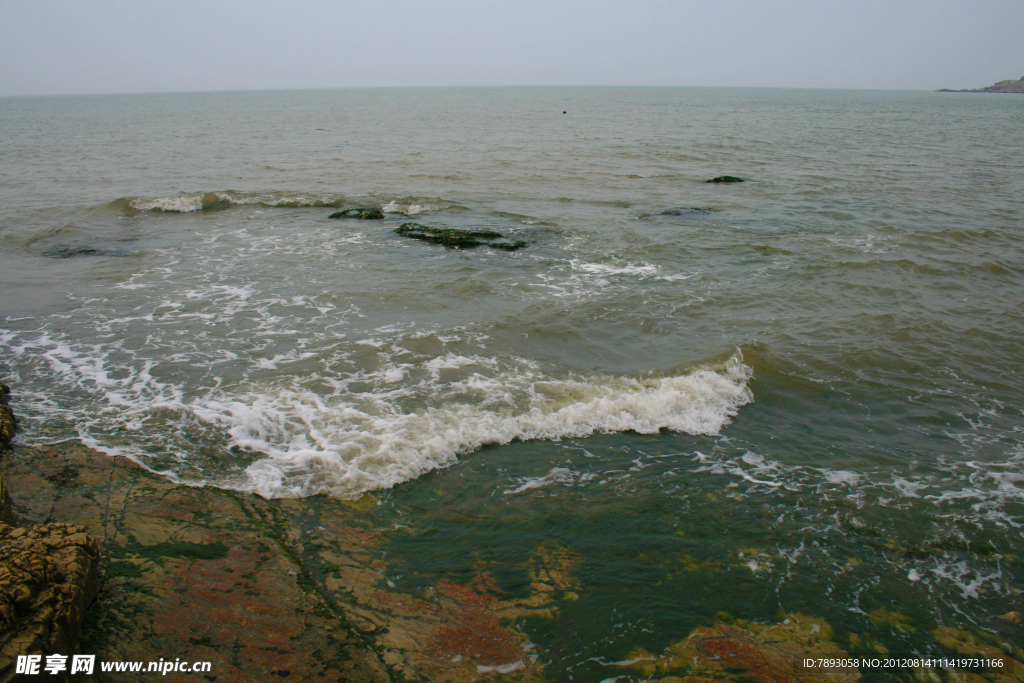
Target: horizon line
(444, 87)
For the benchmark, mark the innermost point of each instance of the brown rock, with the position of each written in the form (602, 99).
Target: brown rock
(987, 646)
(272, 590)
(7, 421)
(199, 574)
(770, 653)
(47, 581)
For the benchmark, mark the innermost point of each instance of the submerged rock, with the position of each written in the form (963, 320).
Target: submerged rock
(726, 179)
(454, 237)
(47, 580)
(688, 211)
(366, 214)
(73, 250)
(508, 246)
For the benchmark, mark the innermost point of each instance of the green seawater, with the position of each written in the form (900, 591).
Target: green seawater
(799, 394)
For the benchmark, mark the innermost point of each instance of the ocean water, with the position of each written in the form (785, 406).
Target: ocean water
(803, 392)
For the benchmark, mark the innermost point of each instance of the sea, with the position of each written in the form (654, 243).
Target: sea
(798, 394)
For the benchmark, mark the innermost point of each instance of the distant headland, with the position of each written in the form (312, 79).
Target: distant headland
(1001, 86)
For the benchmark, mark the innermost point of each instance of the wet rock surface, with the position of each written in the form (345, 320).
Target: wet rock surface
(690, 211)
(48, 578)
(269, 590)
(77, 250)
(747, 651)
(683, 212)
(299, 590)
(366, 214)
(726, 179)
(454, 237)
(7, 421)
(193, 573)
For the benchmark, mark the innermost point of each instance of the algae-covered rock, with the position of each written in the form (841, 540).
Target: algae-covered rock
(7, 421)
(47, 581)
(507, 246)
(990, 646)
(197, 574)
(290, 589)
(366, 214)
(454, 237)
(726, 179)
(748, 651)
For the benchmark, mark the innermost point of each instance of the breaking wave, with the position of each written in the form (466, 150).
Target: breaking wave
(350, 445)
(345, 432)
(188, 202)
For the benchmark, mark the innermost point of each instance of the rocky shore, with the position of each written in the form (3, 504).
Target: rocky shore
(1002, 86)
(195, 574)
(295, 590)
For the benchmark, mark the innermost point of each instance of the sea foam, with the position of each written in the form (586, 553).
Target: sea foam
(346, 444)
(335, 429)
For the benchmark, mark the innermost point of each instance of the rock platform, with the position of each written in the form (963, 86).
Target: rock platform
(297, 590)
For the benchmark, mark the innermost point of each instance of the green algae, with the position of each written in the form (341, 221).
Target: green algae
(366, 214)
(456, 238)
(185, 550)
(508, 246)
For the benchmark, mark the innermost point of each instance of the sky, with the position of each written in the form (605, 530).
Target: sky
(58, 47)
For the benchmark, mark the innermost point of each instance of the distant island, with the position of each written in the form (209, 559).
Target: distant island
(1001, 86)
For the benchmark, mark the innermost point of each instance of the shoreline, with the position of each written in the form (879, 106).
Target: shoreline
(296, 589)
(1007, 86)
(144, 570)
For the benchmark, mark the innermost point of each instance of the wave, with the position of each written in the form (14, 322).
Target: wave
(376, 428)
(359, 448)
(187, 202)
(410, 206)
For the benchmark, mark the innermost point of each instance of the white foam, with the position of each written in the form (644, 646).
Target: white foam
(557, 475)
(909, 489)
(181, 204)
(188, 202)
(645, 270)
(841, 477)
(743, 475)
(345, 446)
(960, 574)
(368, 429)
(405, 209)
